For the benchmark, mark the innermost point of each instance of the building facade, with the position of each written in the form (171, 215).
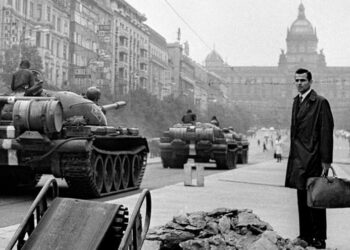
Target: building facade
(159, 81)
(43, 24)
(132, 48)
(268, 91)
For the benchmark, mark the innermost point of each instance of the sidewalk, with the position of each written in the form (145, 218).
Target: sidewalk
(258, 187)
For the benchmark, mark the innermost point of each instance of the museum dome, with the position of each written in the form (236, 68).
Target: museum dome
(302, 25)
(213, 57)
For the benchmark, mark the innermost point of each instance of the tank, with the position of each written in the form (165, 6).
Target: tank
(242, 144)
(202, 142)
(66, 135)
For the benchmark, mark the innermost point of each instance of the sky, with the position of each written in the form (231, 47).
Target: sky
(248, 32)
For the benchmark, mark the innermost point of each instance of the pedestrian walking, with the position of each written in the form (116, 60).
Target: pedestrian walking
(278, 149)
(311, 153)
(264, 147)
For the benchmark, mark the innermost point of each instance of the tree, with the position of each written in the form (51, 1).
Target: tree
(11, 60)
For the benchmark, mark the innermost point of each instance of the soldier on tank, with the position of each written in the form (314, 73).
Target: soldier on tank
(23, 78)
(93, 94)
(215, 121)
(189, 117)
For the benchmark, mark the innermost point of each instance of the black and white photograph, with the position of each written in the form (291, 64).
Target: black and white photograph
(174, 124)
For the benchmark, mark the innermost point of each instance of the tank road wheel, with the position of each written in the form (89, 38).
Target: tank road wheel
(136, 169)
(117, 164)
(125, 171)
(98, 173)
(108, 173)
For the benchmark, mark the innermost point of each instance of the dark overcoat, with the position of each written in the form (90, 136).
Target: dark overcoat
(311, 139)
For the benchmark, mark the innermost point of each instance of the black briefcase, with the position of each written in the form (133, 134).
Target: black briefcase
(328, 192)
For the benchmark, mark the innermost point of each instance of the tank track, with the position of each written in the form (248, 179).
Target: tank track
(77, 171)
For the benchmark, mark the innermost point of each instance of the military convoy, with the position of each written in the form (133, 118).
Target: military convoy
(66, 135)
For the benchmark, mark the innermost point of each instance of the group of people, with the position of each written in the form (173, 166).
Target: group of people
(191, 117)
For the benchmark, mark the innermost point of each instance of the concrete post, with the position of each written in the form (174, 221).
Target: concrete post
(189, 168)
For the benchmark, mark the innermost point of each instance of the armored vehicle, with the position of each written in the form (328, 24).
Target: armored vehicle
(242, 144)
(202, 142)
(66, 135)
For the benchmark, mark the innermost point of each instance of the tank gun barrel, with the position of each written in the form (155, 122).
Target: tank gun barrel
(116, 105)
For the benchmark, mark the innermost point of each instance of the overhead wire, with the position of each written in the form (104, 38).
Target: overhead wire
(188, 25)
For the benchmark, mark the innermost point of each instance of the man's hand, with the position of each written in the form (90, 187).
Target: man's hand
(325, 167)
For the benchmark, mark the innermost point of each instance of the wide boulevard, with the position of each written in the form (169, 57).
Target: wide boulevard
(14, 206)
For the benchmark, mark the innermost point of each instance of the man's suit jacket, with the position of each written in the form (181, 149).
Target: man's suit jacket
(311, 140)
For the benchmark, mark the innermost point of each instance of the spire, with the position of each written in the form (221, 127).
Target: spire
(301, 14)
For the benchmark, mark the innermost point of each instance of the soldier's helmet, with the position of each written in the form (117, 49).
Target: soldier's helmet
(93, 94)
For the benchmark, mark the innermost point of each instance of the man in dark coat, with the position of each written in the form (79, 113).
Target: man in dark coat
(189, 117)
(311, 152)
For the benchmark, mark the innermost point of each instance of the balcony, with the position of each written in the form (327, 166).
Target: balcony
(123, 33)
(123, 64)
(143, 47)
(143, 60)
(123, 49)
(143, 74)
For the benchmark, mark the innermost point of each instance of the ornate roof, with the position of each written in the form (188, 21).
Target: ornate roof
(214, 56)
(302, 26)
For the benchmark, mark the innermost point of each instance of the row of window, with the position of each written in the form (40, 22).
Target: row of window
(52, 16)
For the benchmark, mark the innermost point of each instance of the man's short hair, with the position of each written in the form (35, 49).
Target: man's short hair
(25, 64)
(303, 71)
(189, 111)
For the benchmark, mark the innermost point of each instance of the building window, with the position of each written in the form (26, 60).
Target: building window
(48, 41)
(58, 24)
(58, 49)
(40, 10)
(9, 2)
(18, 5)
(65, 51)
(54, 21)
(31, 9)
(38, 38)
(25, 7)
(48, 14)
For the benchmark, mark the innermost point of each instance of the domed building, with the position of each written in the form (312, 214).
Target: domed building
(302, 45)
(268, 92)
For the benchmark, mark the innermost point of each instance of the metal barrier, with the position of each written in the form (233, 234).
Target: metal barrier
(131, 241)
(35, 213)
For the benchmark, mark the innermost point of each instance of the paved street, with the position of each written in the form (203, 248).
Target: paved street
(257, 186)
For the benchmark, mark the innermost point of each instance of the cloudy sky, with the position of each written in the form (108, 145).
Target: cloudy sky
(249, 32)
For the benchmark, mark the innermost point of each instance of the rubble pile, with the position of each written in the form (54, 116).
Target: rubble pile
(221, 229)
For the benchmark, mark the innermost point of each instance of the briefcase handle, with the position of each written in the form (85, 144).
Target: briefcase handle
(324, 174)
